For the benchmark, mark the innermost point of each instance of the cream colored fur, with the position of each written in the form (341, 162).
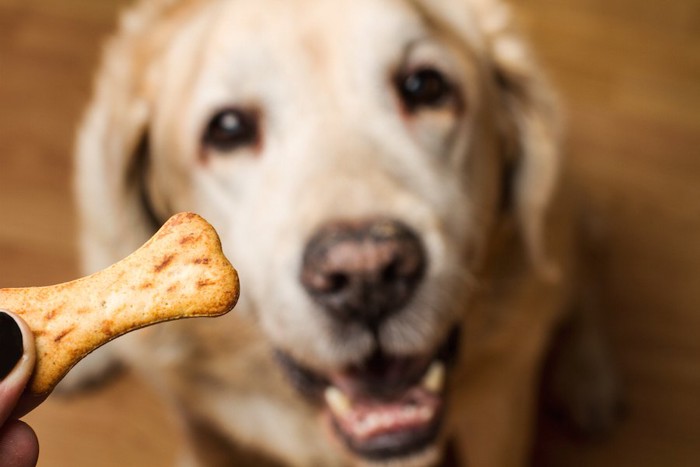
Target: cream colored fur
(319, 70)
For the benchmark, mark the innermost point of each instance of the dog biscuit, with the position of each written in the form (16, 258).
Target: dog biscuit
(180, 272)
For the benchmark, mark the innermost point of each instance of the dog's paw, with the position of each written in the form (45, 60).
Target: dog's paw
(582, 387)
(91, 372)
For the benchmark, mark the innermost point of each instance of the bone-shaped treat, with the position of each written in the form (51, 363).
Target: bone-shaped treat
(180, 272)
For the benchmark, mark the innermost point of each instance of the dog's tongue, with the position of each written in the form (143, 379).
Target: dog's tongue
(367, 419)
(363, 417)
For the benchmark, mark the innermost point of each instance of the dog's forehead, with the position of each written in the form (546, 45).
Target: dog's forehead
(316, 30)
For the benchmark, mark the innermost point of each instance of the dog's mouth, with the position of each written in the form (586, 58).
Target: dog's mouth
(386, 407)
(393, 421)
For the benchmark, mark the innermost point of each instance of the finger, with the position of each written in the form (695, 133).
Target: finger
(19, 446)
(17, 357)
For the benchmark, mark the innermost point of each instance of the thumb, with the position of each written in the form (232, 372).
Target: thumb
(17, 357)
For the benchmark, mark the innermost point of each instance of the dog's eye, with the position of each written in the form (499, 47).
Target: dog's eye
(231, 129)
(425, 87)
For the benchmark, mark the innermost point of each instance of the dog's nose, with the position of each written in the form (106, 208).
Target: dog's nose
(363, 271)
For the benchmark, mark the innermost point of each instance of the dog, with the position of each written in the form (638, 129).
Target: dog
(386, 177)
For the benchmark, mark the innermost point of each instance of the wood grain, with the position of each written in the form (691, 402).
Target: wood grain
(629, 74)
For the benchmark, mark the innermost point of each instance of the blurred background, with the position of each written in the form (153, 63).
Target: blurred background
(629, 74)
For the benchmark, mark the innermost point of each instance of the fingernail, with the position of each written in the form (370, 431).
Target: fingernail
(11, 345)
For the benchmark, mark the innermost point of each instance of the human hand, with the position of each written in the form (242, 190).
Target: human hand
(18, 443)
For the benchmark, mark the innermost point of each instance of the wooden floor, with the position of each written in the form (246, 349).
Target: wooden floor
(629, 73)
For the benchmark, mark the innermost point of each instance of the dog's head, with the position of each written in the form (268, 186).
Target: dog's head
(354, 156)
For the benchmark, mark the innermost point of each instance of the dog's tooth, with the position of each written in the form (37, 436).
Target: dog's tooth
(434, 378)
(337, 401)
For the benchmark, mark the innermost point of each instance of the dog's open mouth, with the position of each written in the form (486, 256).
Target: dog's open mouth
(392, 421)
(385, 408)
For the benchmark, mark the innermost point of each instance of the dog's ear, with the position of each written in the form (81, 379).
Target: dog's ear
(531, 122)
(110, 146)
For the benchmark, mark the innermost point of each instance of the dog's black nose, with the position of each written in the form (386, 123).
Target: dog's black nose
(363, 271)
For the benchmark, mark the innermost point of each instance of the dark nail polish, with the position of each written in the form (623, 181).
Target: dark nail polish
(11, 346)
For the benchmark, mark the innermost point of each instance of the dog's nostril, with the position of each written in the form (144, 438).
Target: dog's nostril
(363, 271)
(337, 282)
(391, 272)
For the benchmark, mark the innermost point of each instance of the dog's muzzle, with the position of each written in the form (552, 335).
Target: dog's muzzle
(385, 406)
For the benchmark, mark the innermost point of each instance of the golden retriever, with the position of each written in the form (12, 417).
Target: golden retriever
(384, 176)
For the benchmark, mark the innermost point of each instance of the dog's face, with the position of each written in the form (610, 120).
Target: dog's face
(351, 155)
(345, 153)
